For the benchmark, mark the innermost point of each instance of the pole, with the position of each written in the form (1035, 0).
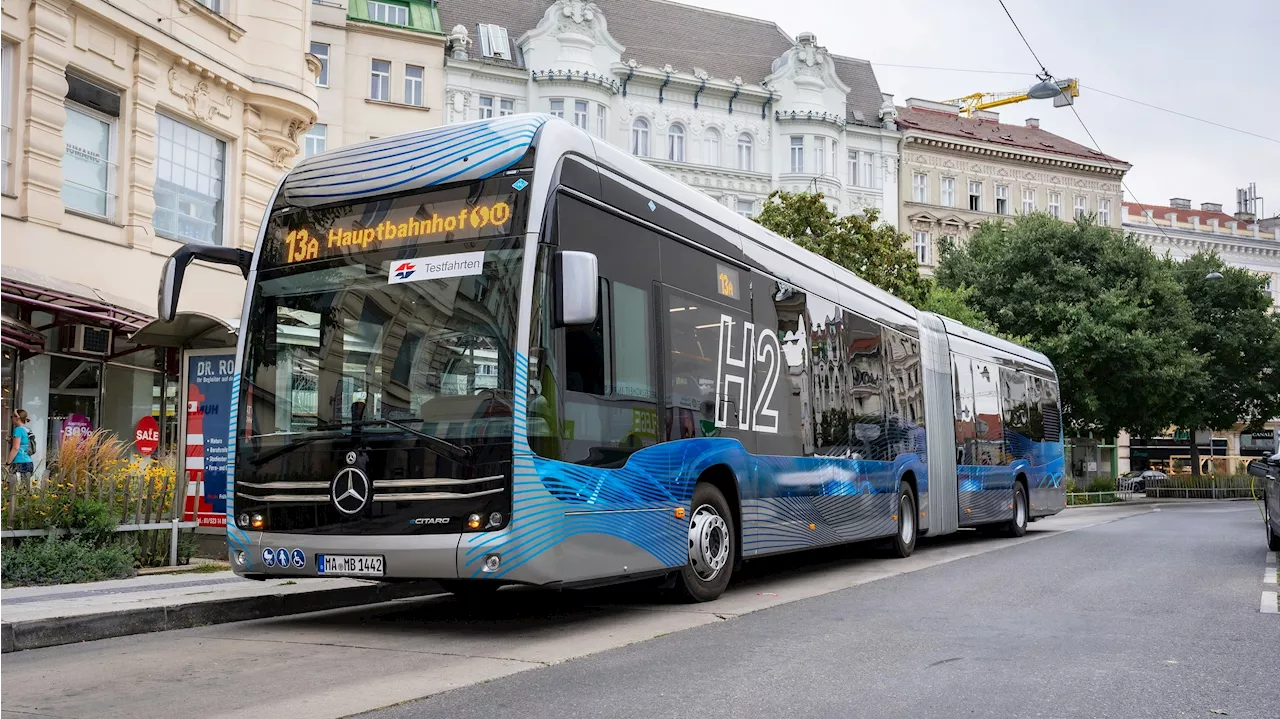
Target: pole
(173, 543)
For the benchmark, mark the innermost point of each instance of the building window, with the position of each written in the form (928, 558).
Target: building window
(7, 103)
(506, 106)
(494, 41)
(189, 183)
(922, 247)
(853, 168)
(1002, 199)
(1028, 200)
(797, 153)
(89, 162)
(213, 5)
(315, 140)
(640, 137)
(484, 109)
(1081, 206)
(1055, 205)
(557, 108)
(380, 81)
(746, 152)
(413, 85)
(600, 121)
(919, 187)
(675, 143)
(321, 50)
(819, 155)
(975, 196)
(745, 207)
(581, 114)
(947, 191)
(1104, 212)
(389, 13)
(711, 146)
(834, 171)
(868, 172)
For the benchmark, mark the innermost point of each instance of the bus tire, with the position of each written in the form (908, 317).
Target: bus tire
(711, 546)
(904, 541)
(1017, 526)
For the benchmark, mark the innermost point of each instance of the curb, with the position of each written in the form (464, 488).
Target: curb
(39, 633)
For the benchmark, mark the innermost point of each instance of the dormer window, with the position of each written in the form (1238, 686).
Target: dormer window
(494, 42)
(389, 13)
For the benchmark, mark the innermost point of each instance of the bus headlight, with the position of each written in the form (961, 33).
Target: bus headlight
(257, 522)
(492, 562)
(243, 520)
(473, 522)
(495, 520)
(239, 559)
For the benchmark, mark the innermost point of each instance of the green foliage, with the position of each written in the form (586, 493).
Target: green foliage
(54, 560)
(92, 521)
(1102, 484)
(1108, 313)
(875, 252)
(1238, 336)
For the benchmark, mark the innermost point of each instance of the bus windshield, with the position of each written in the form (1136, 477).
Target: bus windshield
(399, 337)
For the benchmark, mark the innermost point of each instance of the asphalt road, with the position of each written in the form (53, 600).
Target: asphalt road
(1099, 612)
(1153, 616)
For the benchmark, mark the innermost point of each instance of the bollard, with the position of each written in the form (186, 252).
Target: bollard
(173, 544)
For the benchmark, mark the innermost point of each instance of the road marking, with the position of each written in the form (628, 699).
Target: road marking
(1269, 575)
(1271, 557)
(1269, 603)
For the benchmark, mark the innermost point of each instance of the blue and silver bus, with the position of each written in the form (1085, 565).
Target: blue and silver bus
(505, 352)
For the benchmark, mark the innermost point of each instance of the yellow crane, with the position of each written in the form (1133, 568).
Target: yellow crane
(1062, 92)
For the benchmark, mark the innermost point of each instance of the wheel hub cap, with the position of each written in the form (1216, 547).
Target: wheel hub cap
(708, 542)
(1020, 506)
(908, 524)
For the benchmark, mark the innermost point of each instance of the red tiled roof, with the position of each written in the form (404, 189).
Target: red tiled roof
(997, 133)
(1159, 211)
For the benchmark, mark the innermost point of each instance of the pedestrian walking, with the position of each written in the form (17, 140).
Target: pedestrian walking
(22, 446)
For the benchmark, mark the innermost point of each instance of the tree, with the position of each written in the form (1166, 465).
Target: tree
(876, 253)
(1108, 313)
(1238, 337)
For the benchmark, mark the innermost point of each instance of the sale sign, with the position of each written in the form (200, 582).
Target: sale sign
(146, 436)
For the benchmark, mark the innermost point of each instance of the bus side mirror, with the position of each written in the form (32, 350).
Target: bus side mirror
(1260, 469)
(176, 267)
(577, 278)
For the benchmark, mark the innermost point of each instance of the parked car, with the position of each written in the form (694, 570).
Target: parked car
(1267, 472)
(1137, 481)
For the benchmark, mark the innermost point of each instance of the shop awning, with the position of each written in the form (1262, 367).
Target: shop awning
(61, 297)
(189, 330)
(21, 335)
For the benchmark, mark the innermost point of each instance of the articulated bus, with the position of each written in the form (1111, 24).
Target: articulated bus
(505, 352)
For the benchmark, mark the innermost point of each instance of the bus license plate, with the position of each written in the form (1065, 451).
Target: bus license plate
(362, 566)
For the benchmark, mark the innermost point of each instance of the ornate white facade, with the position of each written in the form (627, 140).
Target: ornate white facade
(736, 139)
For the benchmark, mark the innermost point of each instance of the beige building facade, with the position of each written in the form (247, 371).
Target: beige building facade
(130, 128)
(957, 172)
(381, 70)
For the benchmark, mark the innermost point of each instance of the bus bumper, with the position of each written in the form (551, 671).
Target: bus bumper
(423, 556)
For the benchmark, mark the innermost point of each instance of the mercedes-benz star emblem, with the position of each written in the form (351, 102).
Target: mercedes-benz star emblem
(350, 491)
(351, 457)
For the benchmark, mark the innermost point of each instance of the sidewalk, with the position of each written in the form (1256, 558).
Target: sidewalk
(33, 617)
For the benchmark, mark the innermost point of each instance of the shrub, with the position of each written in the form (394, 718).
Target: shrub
(1102, 484)
(54, 560)
(94, 520)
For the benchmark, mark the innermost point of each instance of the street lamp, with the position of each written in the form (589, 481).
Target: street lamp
(1215, 275)
(1045, 89)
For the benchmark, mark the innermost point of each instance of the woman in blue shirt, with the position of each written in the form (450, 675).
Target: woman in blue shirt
(20, 447)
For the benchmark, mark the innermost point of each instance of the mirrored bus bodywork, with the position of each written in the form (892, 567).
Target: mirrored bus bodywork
(411, 404)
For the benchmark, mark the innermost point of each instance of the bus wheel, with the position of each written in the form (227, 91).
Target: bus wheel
(904, 542)
(1017, 526)
(711, 549)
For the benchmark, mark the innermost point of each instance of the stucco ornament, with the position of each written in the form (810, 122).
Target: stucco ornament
(460, 41)
(200, 96)
(578, 11)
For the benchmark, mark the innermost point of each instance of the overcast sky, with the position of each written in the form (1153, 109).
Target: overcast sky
(1215, 61)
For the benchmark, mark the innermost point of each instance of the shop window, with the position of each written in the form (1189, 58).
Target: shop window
(89, 162)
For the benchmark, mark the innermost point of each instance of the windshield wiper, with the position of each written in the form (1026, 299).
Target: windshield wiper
(456, 452)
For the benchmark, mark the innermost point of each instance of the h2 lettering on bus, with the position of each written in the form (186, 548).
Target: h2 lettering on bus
(734, 377)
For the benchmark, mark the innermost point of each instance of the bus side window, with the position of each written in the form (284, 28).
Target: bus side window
(585, 356)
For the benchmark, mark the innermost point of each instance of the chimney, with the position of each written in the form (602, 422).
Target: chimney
(1211, 206)
(1180, 203)
(1033, 123)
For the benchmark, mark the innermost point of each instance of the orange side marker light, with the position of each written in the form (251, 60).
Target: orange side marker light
(679, 512)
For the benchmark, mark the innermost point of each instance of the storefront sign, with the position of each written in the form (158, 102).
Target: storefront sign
(209, 378)
(146, 436)
(76, 425)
